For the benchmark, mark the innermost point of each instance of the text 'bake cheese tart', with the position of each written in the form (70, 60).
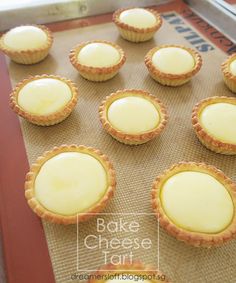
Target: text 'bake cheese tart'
(134, 272)
(137, 24)
(27, 44)
(196, 204)
(214, 122)
(70, 183)
(45, 99)
(172, 65)
(229, 72)
(97, 60)
(133, 116)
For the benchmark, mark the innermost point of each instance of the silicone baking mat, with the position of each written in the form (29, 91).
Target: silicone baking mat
(136, 167)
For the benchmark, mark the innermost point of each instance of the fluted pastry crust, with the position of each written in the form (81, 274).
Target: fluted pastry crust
(42, 212)
(135, 34)
(44, 120)
(31, 55)
(172, 79)
(137, 268)
(96, 74)
(205, 138)
(132, 139)
(229, 78)
(194, 238)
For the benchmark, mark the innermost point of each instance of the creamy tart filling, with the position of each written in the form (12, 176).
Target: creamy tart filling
(128, 279)
(197, 202)
(25, 37)
(232, 67)
(138, 17)
(133, 115)
(44, 96)
(219, 120)
(173, 60)
(98, 55)
(70, 183)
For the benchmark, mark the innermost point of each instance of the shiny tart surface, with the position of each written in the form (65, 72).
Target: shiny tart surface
(137, 24)
(172, 64)
(128, 272)
(44, 100)
(120, 116)
(214, 121)
(97, 60)
(229, 72)
(27, 44)
(195, 203)
(59, 185)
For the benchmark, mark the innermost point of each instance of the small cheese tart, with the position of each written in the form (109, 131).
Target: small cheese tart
(214, 122)
(70, 183)
(172, 65)
(196, 204)
(135, 272)
(27, 44)
(97, 60)
(137, 24)
(229, 72)
(133, 116)
(44, 100)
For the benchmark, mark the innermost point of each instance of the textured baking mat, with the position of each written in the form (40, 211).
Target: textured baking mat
(136, 166)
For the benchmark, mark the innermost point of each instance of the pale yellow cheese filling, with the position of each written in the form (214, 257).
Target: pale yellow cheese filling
(173, 60)
(138, 18)
(219, 120)
(233, 67)
(133, 115)
(98, 55)
(25, 37)
(128, 278)
(70, 182)
(44, 96)
(197, 202)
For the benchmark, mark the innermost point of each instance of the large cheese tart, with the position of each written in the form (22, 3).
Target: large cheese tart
(214, 121)
(172, 65)
(137, 24)
(97, 60)
(134, 272)
(70, 184)
(27, 44)
(229, 72)
(196, 203)
(45, 99)
(120, 116)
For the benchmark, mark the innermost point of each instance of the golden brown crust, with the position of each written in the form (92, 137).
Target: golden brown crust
(96, 73)
(31, 55)
(193, 238)
(206, 139)
(62, 219)
(132, 139)
(44, 120)
(172, 79)
(137, 268)
(135, 34)
(229, 78)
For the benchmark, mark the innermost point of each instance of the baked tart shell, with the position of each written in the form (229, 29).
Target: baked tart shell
(132, 139)
(193, 238)
(44, 120)
(204, 137)
(172, 79)
(229, 78)
(96, 74)
(29, 56)
(42, 212)
(134, 34)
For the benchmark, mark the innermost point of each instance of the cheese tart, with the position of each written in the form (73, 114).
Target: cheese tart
(229, 72)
